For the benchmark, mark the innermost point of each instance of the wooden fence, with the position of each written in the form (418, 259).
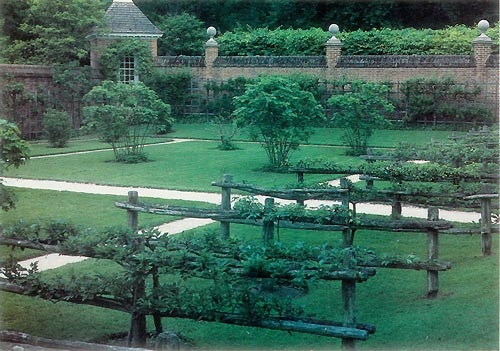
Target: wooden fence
(226, 215)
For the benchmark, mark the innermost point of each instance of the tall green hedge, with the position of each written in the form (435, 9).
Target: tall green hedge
(456, 40)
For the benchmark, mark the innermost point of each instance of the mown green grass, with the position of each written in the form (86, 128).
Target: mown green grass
(184, 166)
(42, 147)
(321, 136)
(207, 131)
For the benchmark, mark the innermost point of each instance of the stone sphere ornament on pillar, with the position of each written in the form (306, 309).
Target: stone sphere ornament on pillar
(483, 26)
(211, 31)
(334, 30)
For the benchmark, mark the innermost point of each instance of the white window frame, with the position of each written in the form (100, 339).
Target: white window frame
(128, 70)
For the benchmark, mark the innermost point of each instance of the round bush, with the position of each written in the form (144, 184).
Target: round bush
(57, 126)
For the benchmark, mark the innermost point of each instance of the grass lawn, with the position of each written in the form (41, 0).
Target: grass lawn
(184, 166)
(464, 317)
(321, 136)
(40, 148)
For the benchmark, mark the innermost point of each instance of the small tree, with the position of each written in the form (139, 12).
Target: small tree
(14, 151)
(278, 113)
(185, 34)
(57, 126)
(220, 105)
(124, 115)
(359, 111)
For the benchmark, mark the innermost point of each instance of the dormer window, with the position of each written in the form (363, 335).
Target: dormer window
(128, 72)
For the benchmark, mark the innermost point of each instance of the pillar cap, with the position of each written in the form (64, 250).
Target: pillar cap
(334, 41)
(211, 31)
(483, 26)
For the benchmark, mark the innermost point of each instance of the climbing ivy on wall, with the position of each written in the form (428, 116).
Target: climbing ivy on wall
(113, 54)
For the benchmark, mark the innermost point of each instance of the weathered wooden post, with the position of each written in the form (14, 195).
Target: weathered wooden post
(138, 330)
(225, 205)
(432, 254)
(397, 209)
(268, 225)
(300, 177)
(485, 200)
(133, 216)
(486, 226)
(348, 286)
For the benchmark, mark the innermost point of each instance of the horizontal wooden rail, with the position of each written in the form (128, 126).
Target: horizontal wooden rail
(309, 327)
(235, 217)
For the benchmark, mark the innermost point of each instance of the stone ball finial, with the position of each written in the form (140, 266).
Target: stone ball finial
(211, 31)
(483, 26)
(334, 29)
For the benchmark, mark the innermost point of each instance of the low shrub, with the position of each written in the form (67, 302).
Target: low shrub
(57, 126)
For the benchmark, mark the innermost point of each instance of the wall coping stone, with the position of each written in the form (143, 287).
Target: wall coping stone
(180, 61)
(405, 61)
(271, 61)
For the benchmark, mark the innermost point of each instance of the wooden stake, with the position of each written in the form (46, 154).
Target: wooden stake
(133, 216)
(226, 205)
(432, 254)
(486, 240)
(268, 225)
(396, 207)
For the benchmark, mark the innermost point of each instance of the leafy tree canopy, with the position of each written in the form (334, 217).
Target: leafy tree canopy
(14, 151)
(360, 111)
(47, 32)
(280, 114)
(124, 115)
(184, 35)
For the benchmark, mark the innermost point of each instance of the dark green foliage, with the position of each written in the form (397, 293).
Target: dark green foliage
(173, 88)
(14, 151)
(251, 208)
(456, 40)
(184, 34)
(57, 126)
(72, 82)
(457, 152)
(433, 100)
(220, 107)
(124, 115)
(351, 15)
(359, 111)
(279, 114)
(48, 32)
(221, 94)
(278, 42)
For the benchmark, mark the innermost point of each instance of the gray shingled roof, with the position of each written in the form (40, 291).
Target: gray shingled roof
(123, 18)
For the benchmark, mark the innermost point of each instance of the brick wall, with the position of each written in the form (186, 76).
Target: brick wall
(480, 69)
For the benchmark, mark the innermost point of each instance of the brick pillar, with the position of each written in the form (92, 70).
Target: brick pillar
(333, 47)
(154, 47)
(482, 45)
(211, 52)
